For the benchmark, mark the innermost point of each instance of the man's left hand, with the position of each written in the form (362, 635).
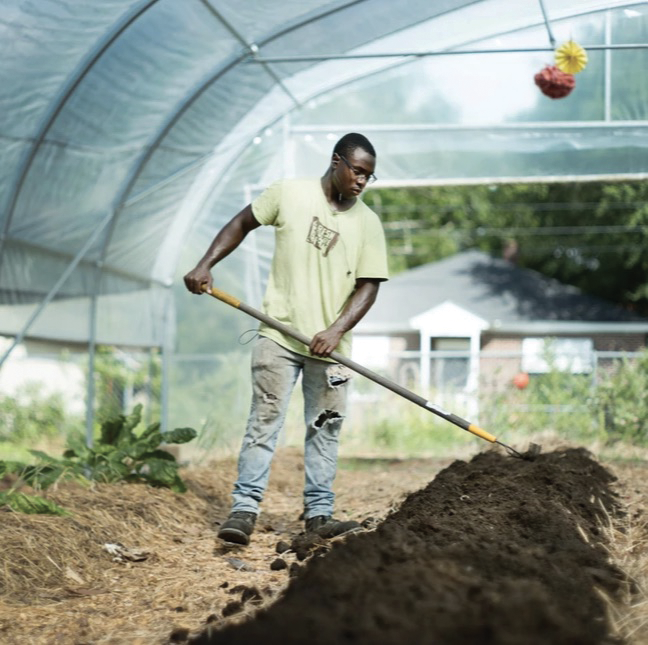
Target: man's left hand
(325, 342)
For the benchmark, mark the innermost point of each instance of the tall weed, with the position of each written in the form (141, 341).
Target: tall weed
(621, 401)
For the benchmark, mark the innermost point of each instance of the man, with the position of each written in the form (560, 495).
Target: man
(328, 262)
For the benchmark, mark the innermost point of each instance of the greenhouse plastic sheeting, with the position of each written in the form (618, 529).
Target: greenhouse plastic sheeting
(132, 130)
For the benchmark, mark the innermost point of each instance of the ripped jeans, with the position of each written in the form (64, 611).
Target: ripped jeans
(274, 373)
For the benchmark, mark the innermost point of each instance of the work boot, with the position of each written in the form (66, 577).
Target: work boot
(238, 527)
(327, 527)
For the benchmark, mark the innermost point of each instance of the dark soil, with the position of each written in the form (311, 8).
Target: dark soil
(498, 550)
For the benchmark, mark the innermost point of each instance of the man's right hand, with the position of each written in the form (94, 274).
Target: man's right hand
(227, 239)
(197, 279)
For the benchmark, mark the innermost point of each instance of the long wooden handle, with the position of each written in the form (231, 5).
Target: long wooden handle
(356, 367)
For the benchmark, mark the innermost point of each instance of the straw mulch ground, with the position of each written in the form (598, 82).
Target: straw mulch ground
(59, 584)
(171, 577)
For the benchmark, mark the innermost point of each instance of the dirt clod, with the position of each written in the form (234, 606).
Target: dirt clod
(232, 608)
(278, 564)
(306, 545)
(179, 635)
(294, 570)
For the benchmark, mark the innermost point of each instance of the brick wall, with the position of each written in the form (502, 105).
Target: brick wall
(619, 342)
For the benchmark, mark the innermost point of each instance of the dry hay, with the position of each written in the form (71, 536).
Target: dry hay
(57, 584)
(628, 546)
(57, 577)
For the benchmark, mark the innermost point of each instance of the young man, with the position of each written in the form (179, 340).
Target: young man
(328, 262)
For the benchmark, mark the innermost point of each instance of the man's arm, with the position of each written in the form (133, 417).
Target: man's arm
(325, 342)
(227, 239)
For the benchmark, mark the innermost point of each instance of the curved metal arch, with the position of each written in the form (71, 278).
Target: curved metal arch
(130, 181)
(191, 97)
(60, 101)
(388, 66)
(411, 58)
(251, 46)
(200, 88)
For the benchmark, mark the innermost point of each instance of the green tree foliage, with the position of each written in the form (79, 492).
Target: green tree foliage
(591, 235)
(621, 401)
(32, 416)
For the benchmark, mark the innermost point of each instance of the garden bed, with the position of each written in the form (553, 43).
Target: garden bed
(490, 549)
(497, 550)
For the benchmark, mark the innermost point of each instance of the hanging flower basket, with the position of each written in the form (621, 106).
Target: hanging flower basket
(554, 83)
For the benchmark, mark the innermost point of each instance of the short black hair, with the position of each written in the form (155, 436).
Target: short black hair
(349, 142)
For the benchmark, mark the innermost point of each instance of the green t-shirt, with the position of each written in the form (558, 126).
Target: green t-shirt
(319, 254)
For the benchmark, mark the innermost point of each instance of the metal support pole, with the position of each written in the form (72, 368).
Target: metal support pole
(426, 54)
(92, 348)
(55, 289)
(148, 419)
(552, 40)
(607, 82)
(167, 351)
(425, 367)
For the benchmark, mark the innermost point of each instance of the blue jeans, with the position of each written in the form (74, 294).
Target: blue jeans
(324, 385)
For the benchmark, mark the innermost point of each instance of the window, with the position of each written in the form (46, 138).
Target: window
(450, 366)
(541, 355)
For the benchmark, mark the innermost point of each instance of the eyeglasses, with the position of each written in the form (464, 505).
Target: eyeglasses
(358, 173)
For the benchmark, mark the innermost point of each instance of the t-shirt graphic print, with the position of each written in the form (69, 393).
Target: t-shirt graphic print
(322, 237)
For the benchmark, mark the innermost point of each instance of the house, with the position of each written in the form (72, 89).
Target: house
(471, 320)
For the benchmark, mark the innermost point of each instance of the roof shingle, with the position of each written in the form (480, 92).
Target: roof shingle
(491, 288)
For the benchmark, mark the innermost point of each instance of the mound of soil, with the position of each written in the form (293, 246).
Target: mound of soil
(497, 550)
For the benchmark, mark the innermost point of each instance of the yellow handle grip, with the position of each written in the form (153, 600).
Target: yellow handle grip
(480, 432)
(223, 296)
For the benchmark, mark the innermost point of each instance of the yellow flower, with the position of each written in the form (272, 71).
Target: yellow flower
(571, 58)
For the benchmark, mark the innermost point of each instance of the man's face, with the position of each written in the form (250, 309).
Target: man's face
(353, 172)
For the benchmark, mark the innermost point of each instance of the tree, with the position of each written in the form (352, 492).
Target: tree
(591, 235)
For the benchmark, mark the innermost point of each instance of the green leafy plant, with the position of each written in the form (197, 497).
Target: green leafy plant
(621, 401)
(30, 504)
(119, 454)
(23, 502)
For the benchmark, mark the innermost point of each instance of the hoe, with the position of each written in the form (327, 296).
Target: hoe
(534, 449)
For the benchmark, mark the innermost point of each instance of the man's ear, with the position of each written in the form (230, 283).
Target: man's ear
(335, 159)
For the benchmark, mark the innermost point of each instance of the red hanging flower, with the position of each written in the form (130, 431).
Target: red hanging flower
(554, 83)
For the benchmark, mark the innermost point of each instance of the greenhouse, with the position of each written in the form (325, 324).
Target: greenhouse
(132, 131)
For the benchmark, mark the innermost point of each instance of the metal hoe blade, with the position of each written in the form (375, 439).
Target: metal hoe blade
(510, 450)
(530, 454)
